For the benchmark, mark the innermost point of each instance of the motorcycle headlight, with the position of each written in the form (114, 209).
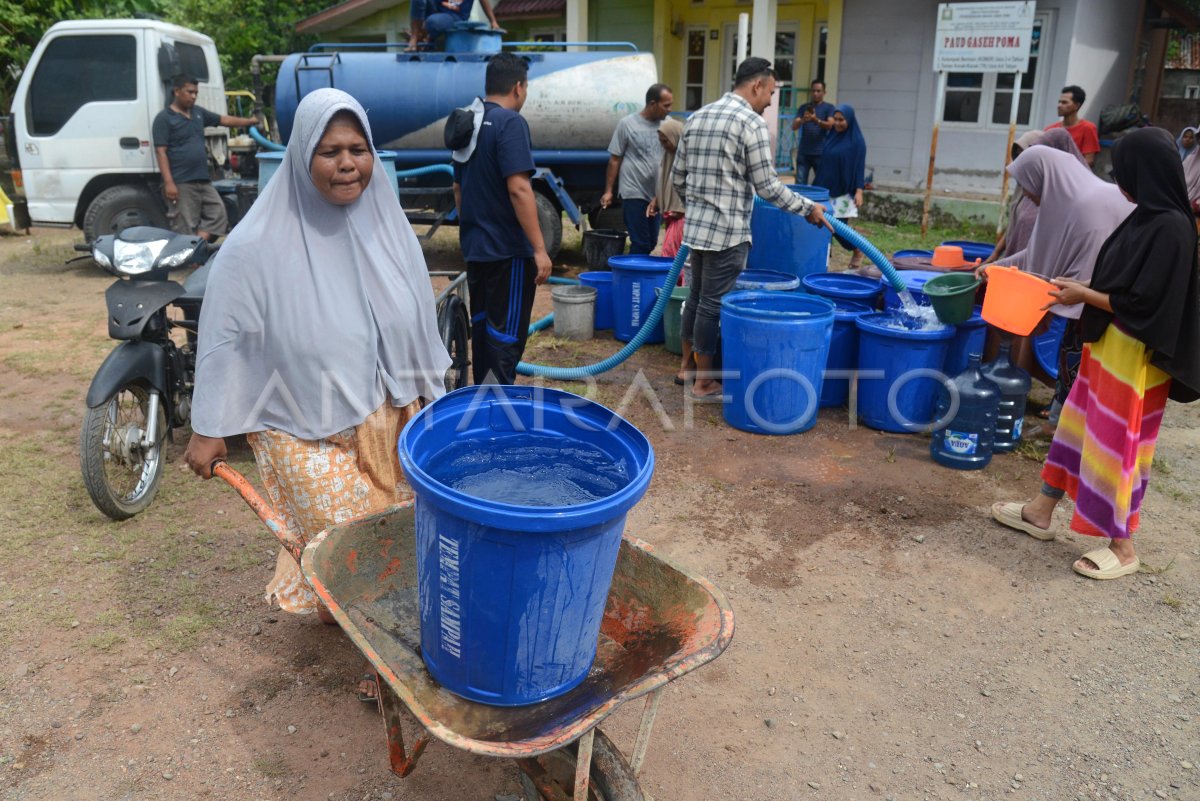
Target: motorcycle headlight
(101, 258)
(135, 258)
(176, 259)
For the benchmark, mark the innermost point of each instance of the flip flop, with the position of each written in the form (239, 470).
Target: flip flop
(714, 398)
(1009, 514)
(1109, 566)
(678, 381)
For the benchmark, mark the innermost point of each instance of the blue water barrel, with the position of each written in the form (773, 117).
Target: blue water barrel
(516, 537)
(787, 242)
(1047, 345)
(914, 280)
(602, 282)
(472, 37)
(635, 279)
(843, 351)
(908, 366)
(966, 430)
(843, 286)
(269, 161)
(409, 95)
(972, 250)
(775, 346)
(969, 337)
(767, 281)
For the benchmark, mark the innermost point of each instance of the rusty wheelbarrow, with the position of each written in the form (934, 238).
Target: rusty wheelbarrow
(660, 622)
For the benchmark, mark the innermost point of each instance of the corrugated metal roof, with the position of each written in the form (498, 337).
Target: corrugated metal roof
(530, 8)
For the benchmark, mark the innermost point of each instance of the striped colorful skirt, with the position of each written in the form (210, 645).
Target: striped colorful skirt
(1104, 444)
(315, 484)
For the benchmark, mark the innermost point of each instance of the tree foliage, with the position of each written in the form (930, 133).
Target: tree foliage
(244, 28)
(22, 23)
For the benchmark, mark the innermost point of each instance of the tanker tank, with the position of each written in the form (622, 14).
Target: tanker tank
(575, 98)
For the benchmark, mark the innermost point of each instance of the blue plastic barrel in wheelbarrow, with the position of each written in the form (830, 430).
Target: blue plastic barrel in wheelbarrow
(521, 496)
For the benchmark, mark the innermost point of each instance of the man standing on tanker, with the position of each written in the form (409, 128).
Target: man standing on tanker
(635, 154)
(193, 205)
(722, 161)
(498, 225)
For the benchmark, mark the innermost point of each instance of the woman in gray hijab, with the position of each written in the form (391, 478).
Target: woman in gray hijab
(318, 336)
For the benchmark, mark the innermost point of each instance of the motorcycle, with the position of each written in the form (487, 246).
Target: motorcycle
(142, 391)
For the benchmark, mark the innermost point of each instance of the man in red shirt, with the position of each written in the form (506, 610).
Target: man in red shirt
(1083, 132)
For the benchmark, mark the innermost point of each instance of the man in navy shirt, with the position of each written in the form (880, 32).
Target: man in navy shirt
(193, 205)
(817, 120)
(498, 225)
(431, 19)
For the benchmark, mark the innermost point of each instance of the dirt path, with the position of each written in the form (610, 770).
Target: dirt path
(891, 641)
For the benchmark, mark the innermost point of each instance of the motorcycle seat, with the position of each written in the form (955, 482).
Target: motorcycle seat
(193, 285)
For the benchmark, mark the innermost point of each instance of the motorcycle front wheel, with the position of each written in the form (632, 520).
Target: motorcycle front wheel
(121, 472)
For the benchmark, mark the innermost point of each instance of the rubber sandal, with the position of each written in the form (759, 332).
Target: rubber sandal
(368, 689)
(713, 398)
(1009, 514)
(1109, 566)
(678, 381)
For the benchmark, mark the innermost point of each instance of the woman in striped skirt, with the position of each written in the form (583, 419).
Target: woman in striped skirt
(1141, 329)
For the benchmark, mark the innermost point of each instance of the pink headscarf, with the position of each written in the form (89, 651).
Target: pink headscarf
(1076, 213)
(1023, 211)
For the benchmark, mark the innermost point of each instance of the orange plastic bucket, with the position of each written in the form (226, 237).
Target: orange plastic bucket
(1015, 300)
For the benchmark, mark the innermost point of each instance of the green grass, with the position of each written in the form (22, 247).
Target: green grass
(905, 236)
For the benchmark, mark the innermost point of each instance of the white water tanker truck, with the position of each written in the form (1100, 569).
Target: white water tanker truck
(78, 134)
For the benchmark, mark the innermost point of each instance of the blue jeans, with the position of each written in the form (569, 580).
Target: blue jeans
(804, 164)
(643, 230)
(714, 274)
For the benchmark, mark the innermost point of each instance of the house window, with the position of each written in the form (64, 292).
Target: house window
(820, 48)
(693, 68)
(1191, 92)
(784, 59)
(984, 99)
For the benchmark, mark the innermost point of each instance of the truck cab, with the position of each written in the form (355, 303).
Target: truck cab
(79, 131)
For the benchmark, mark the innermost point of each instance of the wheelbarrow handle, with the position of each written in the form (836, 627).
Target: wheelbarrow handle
(291, 543)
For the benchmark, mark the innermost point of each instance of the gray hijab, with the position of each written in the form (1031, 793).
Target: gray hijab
(315, 314)
(1077, 212)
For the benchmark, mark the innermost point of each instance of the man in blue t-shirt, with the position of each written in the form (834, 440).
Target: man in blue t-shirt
(498, 225)
(431, 19)
(816, 118)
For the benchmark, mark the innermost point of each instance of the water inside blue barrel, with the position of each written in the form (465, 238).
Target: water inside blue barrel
(529, 469)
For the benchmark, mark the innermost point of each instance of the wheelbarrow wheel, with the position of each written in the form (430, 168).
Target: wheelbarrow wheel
(611, 777)
(121, 473)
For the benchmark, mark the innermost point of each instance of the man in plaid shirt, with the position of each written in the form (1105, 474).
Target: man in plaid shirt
(722, 161)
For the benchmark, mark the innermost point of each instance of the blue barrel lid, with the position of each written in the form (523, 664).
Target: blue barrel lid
(913, 254)
(971, 250)
(889, 324)
(849, 310)
(777, 305)
(638, 262)
(767, 279)
(842, 285)
(809, 191)
(596, 277)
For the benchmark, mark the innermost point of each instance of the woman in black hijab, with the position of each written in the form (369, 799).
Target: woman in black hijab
(1141, 326)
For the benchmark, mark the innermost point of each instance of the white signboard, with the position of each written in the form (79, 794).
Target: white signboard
(983, 37)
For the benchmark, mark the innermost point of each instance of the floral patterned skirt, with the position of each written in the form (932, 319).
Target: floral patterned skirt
(314, 484)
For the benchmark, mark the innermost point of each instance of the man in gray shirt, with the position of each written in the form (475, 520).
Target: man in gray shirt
(636, 154)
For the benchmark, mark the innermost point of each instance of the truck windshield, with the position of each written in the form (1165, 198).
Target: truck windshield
(76, 70)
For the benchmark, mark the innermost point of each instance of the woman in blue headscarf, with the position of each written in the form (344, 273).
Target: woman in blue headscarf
(842, 170)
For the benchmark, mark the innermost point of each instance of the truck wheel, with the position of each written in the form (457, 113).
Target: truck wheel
(120, 473)
(550, 221)
(611, 777)
(121, 207)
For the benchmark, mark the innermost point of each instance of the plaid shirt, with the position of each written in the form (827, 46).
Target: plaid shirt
(724, 158)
